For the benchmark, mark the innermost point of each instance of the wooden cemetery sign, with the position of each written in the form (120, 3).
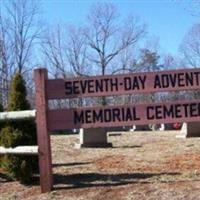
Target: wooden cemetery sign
(109, 116)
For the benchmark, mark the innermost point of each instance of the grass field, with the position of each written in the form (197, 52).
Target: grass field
(141, 165)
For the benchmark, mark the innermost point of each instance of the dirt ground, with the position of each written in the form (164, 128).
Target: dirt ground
(141, 165)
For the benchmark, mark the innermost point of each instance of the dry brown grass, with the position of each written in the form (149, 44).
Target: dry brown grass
(141, 165)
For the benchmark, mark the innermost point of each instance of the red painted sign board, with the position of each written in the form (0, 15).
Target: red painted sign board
(128, 115)
(109, 116)
(133, 83)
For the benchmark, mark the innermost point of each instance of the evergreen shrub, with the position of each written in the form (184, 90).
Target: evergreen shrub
(19, 133)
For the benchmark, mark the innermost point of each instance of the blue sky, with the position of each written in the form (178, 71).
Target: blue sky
(169, 20)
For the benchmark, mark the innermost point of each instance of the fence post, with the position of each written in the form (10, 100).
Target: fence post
(43, 137)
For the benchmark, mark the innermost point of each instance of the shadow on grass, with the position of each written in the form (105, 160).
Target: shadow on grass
(70, 164)
(88, 180)
(74, 181)
(128, 146)
(4, 178)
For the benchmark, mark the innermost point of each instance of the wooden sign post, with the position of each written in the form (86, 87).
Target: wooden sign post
(43, 137)
(109, 116)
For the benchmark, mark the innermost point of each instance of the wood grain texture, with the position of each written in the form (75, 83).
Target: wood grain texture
(113, 116)
(131, 83)
(45, 161)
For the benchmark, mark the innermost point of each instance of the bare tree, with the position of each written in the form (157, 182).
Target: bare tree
(24, 31)
(53, 48)
(55, 57)
(102, 42)
(102, 46)
(190, 46)
(19, 32)
(4, 63)
(170, 62)
(190, 49)
(77, 52)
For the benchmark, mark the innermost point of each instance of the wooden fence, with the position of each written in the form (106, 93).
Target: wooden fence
(109, 116)
(48, 120)
(18, 115)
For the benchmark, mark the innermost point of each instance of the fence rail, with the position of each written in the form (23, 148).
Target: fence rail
(18, 115)
(20, 150)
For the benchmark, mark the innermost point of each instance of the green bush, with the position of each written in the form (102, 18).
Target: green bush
(19, 167)
(17, 96)
(17, 133)
(10, 137)
(1, 107)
